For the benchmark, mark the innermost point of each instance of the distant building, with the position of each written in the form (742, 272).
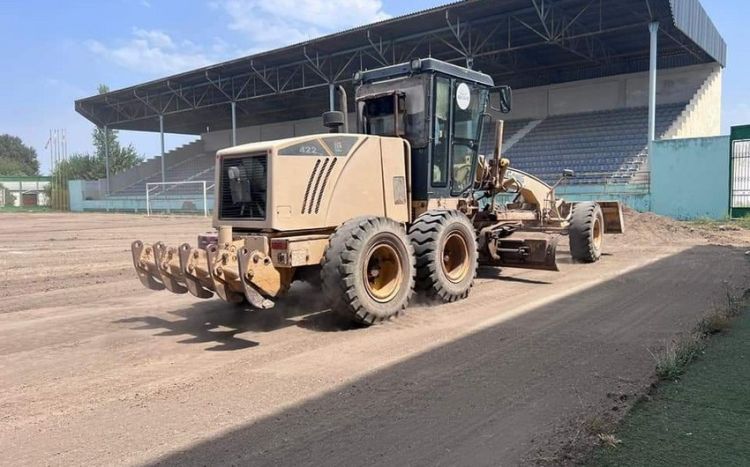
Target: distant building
(24, 191)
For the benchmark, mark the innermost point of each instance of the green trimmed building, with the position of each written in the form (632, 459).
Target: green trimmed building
(23, 190)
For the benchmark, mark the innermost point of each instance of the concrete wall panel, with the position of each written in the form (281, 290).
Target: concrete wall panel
(616, 92)
(690, 177)
(601, 95)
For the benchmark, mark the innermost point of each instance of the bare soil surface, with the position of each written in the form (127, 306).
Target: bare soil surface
(94, 369)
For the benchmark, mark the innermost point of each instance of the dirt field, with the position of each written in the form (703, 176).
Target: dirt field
(94, 369)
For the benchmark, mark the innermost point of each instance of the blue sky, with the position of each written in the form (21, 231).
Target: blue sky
(55, 52)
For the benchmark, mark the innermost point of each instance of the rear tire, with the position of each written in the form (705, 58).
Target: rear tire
(586, 232)
(368, 270)
(446, 249)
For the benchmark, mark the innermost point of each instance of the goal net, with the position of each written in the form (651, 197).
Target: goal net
(188, 197)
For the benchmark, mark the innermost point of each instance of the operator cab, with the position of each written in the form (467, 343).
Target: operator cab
(436, 106)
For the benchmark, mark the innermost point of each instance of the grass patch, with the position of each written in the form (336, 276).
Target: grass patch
(698, 414)
(671, 363)
(25, 209)
(681, 351)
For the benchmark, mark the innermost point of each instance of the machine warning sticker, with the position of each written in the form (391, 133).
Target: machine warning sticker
(340, 145)
(399, 190)
(463, 96)
(308, 148)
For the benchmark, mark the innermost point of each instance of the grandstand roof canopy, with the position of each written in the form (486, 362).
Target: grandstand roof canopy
(523, 43)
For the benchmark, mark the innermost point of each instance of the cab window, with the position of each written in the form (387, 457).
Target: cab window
(440, 129)
(468, 106)
(385, 115)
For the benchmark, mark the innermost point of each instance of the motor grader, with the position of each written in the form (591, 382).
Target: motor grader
(403, 203)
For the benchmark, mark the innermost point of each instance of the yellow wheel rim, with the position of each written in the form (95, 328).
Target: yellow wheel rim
(383, 272)
(455, 257)
(597, 234)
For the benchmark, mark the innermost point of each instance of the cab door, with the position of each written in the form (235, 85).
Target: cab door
(456, 128)
(468, 105)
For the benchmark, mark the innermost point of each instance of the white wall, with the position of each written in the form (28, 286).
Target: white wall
(624, 91)
(216, 140)
(702, 116)
(616, 92)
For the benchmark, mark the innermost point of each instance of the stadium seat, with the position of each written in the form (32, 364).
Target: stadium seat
(609, 146)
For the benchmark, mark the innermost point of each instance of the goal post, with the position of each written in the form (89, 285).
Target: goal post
(178, 196)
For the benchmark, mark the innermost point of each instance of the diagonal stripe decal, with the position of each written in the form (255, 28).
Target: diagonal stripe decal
(325, 181)
(309, 185)
(317, 184)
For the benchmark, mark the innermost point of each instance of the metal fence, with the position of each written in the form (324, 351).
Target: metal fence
(184, 197)
(740, 174)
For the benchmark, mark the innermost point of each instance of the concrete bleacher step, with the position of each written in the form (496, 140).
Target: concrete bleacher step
(610, 144)
(519, 134)
(174, 173)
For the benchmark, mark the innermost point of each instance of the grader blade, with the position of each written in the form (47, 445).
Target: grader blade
(527, 253)
(222, 275)
(168, 266)
(613, 218)
(194, 269)
(144, 262)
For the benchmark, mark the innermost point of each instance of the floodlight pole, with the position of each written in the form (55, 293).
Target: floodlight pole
(234, 123)
(653, 29)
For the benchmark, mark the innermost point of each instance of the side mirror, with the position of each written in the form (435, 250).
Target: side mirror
(505, 96)
(566, 173)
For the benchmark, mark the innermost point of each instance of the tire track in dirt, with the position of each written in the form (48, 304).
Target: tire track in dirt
(173, 370)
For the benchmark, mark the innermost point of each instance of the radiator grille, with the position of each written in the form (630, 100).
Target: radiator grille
(255, 168)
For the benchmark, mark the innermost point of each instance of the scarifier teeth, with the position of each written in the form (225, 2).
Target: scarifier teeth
(221, 283)
(168, 268)
(144, 262)
(194, 269)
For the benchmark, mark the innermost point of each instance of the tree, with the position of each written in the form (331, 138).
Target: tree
(16, 158)
(120, 158)
(84, 166)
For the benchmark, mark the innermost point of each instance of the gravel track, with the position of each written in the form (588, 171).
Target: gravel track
(94, 369)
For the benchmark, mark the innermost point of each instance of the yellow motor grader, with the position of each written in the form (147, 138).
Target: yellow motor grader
(404, 203)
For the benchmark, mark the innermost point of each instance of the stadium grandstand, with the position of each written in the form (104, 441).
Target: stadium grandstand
(595, 81)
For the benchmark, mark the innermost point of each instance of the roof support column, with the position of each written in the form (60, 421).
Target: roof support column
(161, 136)
(234, 123)
(331, 97)
(106, 156)
(163, 162)
(653, 30)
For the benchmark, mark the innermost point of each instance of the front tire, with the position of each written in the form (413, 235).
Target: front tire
(586, 231)
(368, 270)
(446, 249)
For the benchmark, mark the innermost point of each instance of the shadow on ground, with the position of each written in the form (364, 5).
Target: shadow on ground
(219, 322)
(215, 321)
(511, 393)
(497, 273)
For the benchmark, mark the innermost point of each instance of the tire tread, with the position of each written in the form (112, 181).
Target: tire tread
(580, 231)
(425, 235)
(338, 273)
